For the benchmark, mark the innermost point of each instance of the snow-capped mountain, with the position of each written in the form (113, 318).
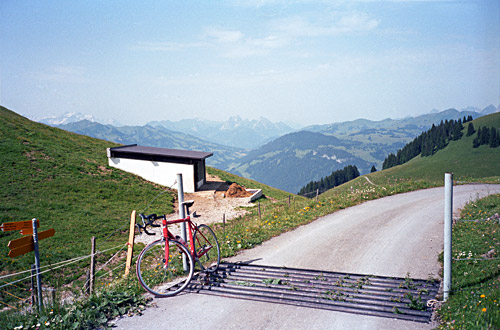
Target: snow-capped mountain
(72, 117)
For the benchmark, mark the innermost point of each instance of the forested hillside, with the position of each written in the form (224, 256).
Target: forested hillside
(438, 137)
(294, 159)
(333, 180)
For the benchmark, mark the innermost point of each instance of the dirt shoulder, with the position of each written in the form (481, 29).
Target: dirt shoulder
(210, 204)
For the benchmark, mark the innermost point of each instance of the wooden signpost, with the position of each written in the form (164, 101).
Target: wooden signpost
(27, 244)
(19, 225)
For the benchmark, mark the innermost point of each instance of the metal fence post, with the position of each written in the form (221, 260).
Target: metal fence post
(182, 215)
(448, 213)
(37, 265)
(92, 265)
(33, 300)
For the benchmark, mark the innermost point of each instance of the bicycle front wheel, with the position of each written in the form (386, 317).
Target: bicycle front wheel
(206, 248)
(162, 277)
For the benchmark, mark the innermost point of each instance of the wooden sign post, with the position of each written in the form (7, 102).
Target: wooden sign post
(27, 244)
(130, 243)
(19, 225)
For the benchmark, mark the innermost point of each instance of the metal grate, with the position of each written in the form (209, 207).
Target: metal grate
(392, 297)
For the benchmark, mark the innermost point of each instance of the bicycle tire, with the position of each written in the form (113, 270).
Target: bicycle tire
(205, 237)
(161, 280)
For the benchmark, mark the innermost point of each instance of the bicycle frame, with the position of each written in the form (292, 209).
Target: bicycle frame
(191, 227)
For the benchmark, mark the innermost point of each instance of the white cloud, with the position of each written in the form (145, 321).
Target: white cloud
(299, 26)
(234, 43)
(357, 22)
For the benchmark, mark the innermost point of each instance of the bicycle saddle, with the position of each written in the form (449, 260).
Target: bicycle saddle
(188, 203)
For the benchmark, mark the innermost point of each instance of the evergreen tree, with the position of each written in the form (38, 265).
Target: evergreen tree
(373, 169)
(493, 137)
(485, 135)
(335, 179)
(456, 131)
(390, 161)
(476, 143)
(470, 129)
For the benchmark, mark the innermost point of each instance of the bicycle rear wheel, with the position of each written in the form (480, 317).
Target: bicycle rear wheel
(206, 248)
(164, 279)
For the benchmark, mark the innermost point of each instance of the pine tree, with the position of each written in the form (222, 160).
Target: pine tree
(493, 137)
(470, 129)
(456, 131)
(373, 169)
(485, 135)
(476, 143)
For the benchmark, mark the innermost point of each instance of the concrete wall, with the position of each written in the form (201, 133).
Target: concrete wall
(158, 172)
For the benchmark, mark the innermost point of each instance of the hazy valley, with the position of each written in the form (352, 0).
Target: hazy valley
(275, 153)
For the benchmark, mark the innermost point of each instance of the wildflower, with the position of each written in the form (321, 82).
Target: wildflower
(482, 296)
(483, 310)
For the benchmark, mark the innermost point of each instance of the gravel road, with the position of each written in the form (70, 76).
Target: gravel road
(390, 236)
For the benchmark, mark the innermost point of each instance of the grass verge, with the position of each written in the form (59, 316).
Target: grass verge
(475, 300)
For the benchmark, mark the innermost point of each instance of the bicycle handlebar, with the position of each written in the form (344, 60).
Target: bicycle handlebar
(147, 220)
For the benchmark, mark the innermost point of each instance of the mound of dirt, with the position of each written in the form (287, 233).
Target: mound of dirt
(235, 190)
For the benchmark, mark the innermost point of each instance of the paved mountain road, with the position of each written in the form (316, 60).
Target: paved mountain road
(391, 236)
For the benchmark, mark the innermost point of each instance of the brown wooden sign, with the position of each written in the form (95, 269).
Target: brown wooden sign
(26, 244)
(28, 231)
(19, 225)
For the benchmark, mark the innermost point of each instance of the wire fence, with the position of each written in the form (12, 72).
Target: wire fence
(23, 288)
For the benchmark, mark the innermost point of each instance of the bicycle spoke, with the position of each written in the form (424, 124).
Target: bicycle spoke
(160, 278)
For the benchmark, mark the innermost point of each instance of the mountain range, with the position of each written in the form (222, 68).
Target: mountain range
(287, 161)
(235, 132)
(157, 137)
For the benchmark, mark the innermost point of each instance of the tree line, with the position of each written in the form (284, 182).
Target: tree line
(436, 138)
(429, 142)
(485, 136)
(335, 179)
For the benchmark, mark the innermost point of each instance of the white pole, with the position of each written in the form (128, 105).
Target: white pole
(448, 213)
(182, 215)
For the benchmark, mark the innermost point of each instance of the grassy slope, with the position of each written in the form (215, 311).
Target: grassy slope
(63, 179)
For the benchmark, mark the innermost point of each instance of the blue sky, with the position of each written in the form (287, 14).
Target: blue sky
(310, 62)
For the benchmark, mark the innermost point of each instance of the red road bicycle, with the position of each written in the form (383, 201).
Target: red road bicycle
(166, 266)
